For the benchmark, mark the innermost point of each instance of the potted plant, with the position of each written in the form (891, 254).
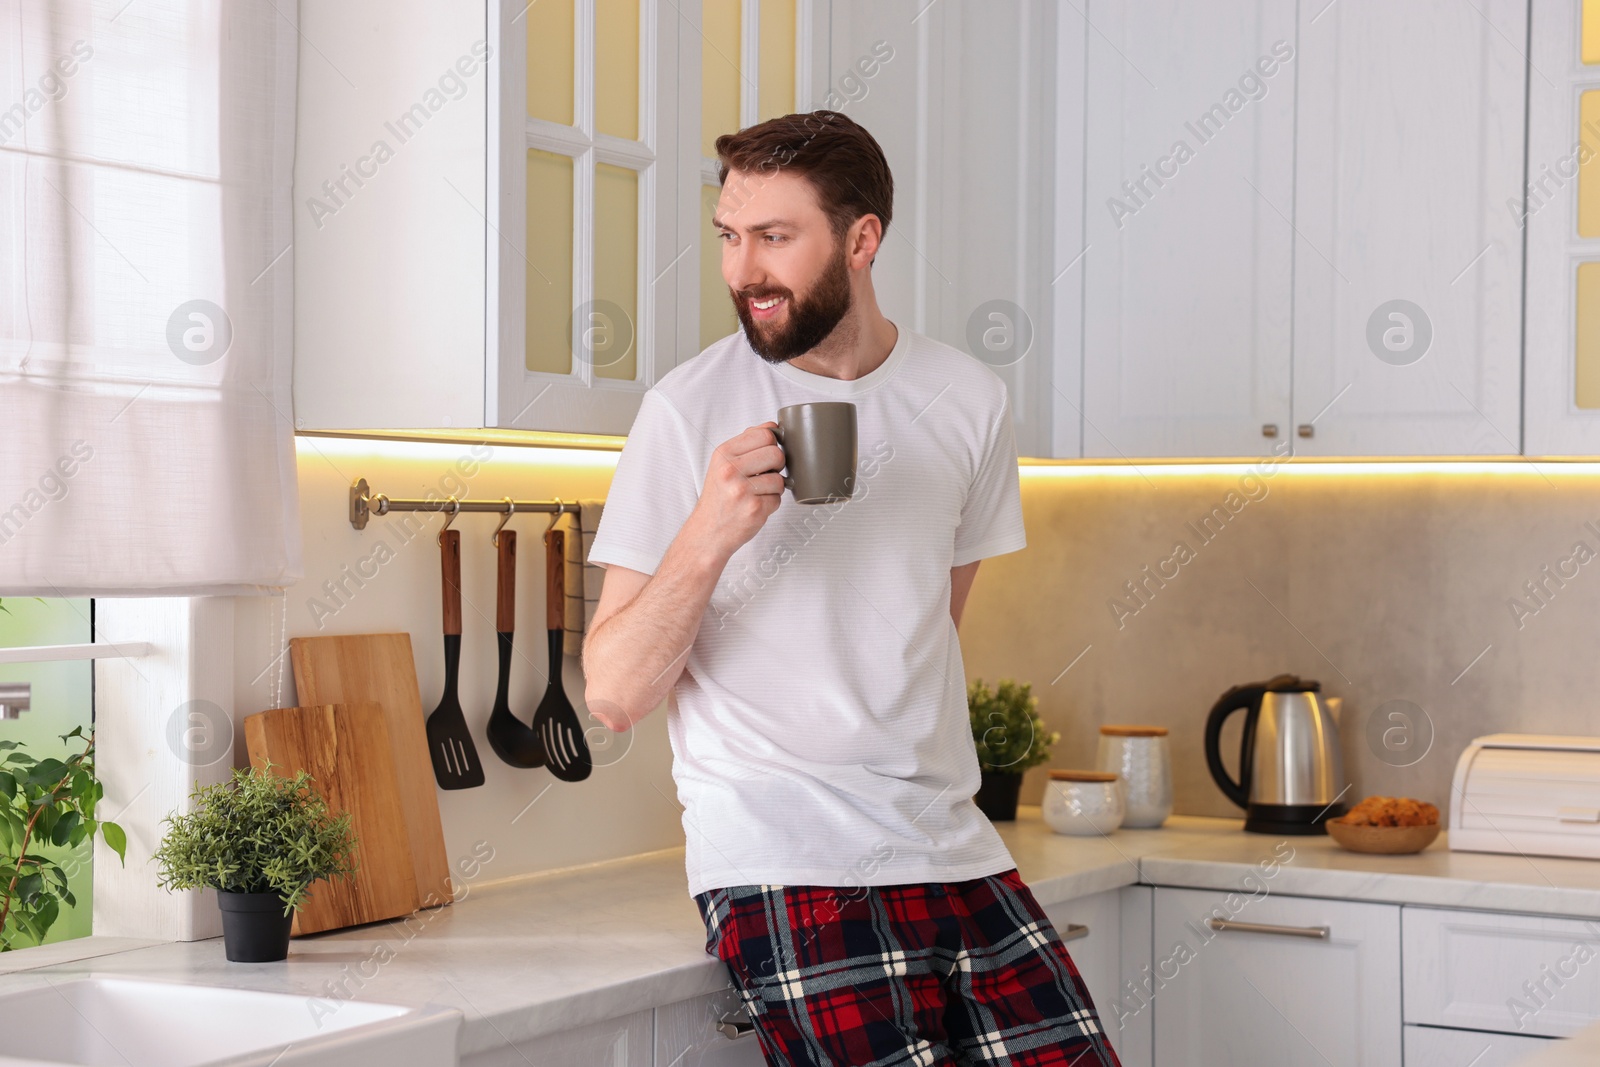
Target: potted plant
(44, 802)
(260, 840)
(1010, 737)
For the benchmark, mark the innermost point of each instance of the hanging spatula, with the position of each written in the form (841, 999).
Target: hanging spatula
(566, 753)
(455, 757)
(512, 739)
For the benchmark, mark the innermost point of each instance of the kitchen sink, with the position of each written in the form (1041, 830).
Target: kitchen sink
(101, 1021)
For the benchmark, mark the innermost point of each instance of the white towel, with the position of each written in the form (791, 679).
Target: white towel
(582, 578)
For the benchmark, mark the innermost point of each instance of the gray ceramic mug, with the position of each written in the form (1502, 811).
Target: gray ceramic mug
(819, 450)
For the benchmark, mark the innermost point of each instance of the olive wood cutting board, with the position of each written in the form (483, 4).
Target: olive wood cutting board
(354, 668)
(345, 747)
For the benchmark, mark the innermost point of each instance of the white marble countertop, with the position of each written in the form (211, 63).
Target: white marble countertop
(550, 952)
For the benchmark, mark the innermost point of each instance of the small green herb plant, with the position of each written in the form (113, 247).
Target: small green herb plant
(44, 801)
(1006, 728)
(258, 832)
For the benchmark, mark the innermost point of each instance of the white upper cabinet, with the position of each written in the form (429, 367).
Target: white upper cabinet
(1563, 232)
(1187, 201)
(1298, 231)
(961, 95)
(503, 219)
(1408, 263)
(583, 269)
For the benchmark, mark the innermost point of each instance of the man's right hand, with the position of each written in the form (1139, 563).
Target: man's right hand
(742, 489)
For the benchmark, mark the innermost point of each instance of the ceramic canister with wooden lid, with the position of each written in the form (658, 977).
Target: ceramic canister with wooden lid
(1083, 803)
(1140, 757)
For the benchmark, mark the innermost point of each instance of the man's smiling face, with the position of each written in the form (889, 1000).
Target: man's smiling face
(788, 275)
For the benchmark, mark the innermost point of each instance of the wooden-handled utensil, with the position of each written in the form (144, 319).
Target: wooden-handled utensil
(455, 758)
(512, 739)
(566, 753)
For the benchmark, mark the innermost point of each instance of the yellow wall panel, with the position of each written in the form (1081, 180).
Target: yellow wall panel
(717, 316)
(549, 252)
(1589, 173)
(719, 71)
(776, 59)
(550, 58)
(1586, 354)
(610, 333)
(616, 68)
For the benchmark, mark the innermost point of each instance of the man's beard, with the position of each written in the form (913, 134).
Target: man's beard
(806, 323)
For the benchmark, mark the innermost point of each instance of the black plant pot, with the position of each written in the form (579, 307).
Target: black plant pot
(997, 794)
(254, 927)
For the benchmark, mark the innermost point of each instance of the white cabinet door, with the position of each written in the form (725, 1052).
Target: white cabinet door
(1408, 262)
(1522, 974)
(702, 1032)
(388, 252)
(963, 112)
(1108, 938)
(1427, 1046)
(624, 1042)
(1562, 412)
(1188, 196)
(1232, 996)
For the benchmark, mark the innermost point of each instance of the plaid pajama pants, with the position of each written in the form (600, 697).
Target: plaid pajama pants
(921, 975)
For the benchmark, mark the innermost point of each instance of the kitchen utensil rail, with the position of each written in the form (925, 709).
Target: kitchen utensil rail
(364, 503)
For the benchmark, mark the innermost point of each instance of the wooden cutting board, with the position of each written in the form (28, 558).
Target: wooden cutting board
(346, 749)
(355, 668)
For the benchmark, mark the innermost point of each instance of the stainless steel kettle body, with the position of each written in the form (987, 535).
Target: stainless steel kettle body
(1291, 772)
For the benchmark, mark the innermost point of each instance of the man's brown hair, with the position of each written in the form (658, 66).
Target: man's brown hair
(841, 160)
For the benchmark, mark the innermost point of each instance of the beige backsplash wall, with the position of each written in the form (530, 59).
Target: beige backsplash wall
(1383, 586)
(1396, 580)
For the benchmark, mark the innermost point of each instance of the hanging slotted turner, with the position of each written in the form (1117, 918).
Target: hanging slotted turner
(566, 753)
(455, 757)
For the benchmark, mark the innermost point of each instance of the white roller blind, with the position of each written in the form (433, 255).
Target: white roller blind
(146, 433)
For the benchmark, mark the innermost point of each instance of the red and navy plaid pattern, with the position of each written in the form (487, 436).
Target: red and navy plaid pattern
(922, 975)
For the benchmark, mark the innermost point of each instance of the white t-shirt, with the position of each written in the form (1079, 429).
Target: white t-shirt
(819, 729)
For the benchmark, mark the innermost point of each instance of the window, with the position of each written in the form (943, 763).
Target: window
(60, 698)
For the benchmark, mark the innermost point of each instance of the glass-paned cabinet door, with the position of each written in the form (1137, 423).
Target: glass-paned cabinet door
(759, 59)
(1560, 209)
(584, 251)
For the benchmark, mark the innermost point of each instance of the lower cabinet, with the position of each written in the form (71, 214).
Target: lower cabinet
(1517, 974)
(1208, 978)
(1108, 938)
(622, 1042)
(1247, 978)
(1428, 1046)
(706, 1031)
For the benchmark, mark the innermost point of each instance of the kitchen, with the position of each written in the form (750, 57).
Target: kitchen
(1237, 463)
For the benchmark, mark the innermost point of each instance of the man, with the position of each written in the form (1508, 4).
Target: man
(866, 910)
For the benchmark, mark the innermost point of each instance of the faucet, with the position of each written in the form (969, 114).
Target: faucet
(15, 698)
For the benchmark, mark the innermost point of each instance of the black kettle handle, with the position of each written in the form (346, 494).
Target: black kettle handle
(1248, 698)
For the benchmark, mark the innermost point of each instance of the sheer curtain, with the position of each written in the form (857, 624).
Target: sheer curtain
(146, 430)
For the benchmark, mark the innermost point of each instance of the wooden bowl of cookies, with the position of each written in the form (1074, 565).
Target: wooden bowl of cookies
(1387, 826)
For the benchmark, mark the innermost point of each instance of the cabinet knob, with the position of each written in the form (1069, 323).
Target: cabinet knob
(1306, 429)
(1269, 429)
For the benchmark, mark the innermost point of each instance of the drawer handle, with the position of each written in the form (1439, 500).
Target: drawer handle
(735, 1026)
(1074, 932)
(1318, 933)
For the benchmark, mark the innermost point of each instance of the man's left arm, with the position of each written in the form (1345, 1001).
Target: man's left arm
(960, 585)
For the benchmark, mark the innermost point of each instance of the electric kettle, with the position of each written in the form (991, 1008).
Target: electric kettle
(1291, 774)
